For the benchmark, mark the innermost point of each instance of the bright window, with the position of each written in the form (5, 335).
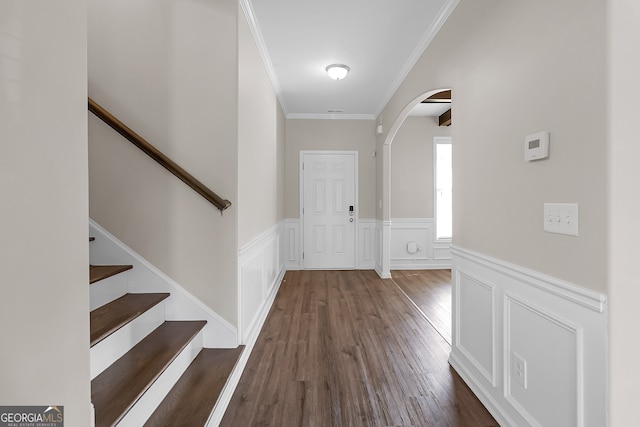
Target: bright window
(443, 188)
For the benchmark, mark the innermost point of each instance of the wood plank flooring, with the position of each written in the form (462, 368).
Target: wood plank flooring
(118, 387)
(205, 378)
(345, 348)
(430, 290)
(100, 272)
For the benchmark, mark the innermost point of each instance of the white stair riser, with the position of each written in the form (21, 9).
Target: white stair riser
(106, 290)
(149, 401)
(124, 339)
(144, 277)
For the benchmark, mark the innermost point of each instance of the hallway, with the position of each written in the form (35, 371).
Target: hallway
(345, 348)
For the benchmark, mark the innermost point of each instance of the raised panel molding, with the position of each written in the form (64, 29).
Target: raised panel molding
(558, 329)
(365, 244)
(292, 249)
(260, 271)
(430, 254)
(562, 346)
(475, 325)
(383, 258)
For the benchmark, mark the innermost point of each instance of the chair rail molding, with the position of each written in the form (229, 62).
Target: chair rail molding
(519, 333)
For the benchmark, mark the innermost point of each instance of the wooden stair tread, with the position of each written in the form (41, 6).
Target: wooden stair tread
(99, 272)
(107, 319)
(194, 396)
(116, 390)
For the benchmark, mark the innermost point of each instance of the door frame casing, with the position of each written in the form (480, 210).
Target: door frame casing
(353, 153)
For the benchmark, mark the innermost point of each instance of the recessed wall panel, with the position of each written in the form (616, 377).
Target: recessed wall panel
(475, 328)
(549, 346)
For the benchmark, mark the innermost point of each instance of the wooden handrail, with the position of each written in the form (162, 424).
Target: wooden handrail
(158, 156)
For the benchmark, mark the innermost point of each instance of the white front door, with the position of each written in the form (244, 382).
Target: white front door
(329, 213)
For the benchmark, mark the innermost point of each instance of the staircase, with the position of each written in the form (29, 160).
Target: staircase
(147, 370)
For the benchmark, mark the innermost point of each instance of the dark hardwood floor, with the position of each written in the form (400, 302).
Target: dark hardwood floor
(345, 348)
(430, 291)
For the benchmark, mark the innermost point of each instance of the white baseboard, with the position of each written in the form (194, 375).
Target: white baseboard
(234, 378)
(504, 315)
(261, 269)
(145, 277)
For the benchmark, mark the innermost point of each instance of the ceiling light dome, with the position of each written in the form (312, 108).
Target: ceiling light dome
(337, 71)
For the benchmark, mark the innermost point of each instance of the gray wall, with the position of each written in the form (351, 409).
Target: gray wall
(169, 96)
(412, 167)
(509, 79)
(352, 135)
(260, 143)
(44, 262)
(624, 210)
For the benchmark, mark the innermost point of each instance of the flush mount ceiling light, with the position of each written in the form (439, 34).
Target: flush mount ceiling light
(337, 71)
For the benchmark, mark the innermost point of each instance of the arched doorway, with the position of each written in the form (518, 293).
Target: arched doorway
(385, 240)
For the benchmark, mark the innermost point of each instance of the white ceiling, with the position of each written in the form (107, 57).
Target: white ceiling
(380, 40)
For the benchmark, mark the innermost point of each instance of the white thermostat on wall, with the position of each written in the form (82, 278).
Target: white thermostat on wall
(536, 146)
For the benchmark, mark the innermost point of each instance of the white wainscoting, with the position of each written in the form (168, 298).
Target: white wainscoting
(292, 249)
(382, 265)
(417, 232)
(365, 252)
(260, 271)
(533, 348)
(261, 268)
(366, 244)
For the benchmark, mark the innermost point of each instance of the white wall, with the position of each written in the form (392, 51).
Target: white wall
(352, 135)
(169, 71)
(412, 167)
(623, 228)
(44, 322)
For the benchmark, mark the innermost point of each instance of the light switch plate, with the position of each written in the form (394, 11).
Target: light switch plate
(561, 218)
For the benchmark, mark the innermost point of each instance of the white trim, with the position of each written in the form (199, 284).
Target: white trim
(491, 377)
(563, 323)
(256, 261)
(113, 347)
(232, 382)
(218, 333)
(573, 293)
(291, 241)
(258, 243)
(264, 52)
(427, 38)
(383, 257)
(438, 140)
(366, 244)
(559, 329)
(158, 390)
(265, 248)
(481, 392)
(431, 254)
